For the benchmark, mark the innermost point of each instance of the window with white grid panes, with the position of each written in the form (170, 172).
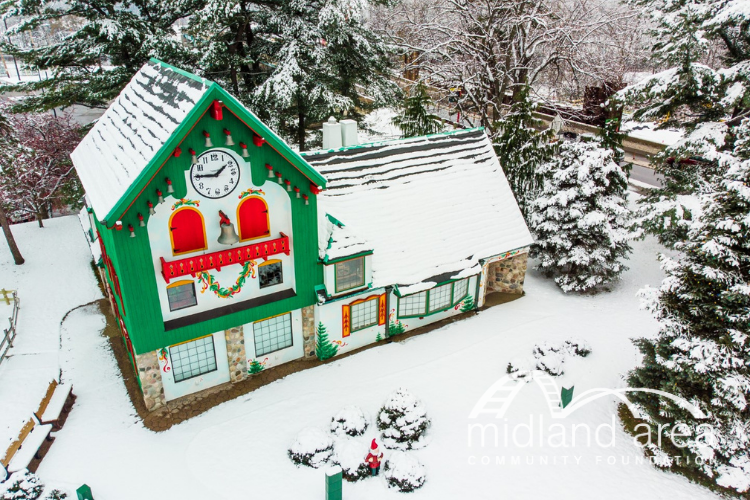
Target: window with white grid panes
(193, 358)
(459, 289)
(364, 314)
(272, 334)
(412, 305)
(440, 297)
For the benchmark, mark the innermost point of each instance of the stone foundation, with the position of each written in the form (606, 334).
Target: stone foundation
(236, 354)
(308, 331)
(507, 275)
(150, 377)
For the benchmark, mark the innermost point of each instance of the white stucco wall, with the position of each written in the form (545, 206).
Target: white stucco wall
(280, 219)
(295, 351)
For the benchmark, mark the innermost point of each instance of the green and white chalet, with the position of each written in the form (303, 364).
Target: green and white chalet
(223, 250)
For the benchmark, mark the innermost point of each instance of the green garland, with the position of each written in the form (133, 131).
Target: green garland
(185, 202)
(209, 283)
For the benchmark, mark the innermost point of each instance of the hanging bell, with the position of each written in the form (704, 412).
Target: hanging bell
(159, 194)
(193, 157)
(141, 222)
(245, 154)
(296, 190)
(278, 177)
(132, 230)
(151, 210)
(170, 189)
(230, 142)
(208, 139)
(228, 235)
(307, 200)
(270, 171)
(288, 185)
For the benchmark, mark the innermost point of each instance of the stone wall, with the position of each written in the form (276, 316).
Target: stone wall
(507, 275)
(236, 354)
(150, 376)
(308, 331)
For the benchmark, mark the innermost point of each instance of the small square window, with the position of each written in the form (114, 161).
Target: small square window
(181, 296)
(270, 274)
(364, 314)
(350, 274)
(272, 334)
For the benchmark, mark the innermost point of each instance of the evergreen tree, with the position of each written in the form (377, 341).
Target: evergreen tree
(413, 117)
(322, 59)
(324, 349)
(702, 350)
(109, 43)
(522, 148)
(581, 219)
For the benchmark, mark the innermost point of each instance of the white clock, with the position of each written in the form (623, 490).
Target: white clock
(215, 174)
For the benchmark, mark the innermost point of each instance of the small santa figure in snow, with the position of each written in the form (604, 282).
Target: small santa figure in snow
(374, 458)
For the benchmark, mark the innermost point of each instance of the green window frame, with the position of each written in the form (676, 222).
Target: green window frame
(351, 285)
(433, 301)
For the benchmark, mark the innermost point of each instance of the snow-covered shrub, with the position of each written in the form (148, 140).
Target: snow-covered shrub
(403, 421)
(545, 348)
(350, 455)
(581, 219)
(56, 495)
(403, 471)
(520, 368)
(577, 347)
(22, 485)
(551, 363)
(313, 447)
(350, 420)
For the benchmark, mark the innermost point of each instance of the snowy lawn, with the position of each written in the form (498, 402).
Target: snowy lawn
(239, 449)
(56, 278)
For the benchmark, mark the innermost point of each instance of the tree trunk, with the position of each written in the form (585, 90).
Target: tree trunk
(301, 132)
(9, 238)
(40, 218)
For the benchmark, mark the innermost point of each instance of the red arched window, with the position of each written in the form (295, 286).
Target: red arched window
(252, 215)
(187, 231)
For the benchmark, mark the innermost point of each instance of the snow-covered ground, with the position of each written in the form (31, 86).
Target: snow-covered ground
(647, 131)
(239, 449)
(55, 278)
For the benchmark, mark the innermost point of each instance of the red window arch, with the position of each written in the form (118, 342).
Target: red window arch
(187, 231)
(252, 215)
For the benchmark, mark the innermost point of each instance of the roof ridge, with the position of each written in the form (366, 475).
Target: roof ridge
(392, 141)
(182, 72)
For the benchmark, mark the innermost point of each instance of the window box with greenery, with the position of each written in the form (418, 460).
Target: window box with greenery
(434, 300)
(350, 274)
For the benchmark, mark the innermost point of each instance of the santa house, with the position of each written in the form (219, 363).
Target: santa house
(223, 251)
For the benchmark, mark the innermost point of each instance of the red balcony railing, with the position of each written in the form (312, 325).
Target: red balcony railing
(216, 260)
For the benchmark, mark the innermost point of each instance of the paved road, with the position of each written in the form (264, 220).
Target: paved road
(81, 114)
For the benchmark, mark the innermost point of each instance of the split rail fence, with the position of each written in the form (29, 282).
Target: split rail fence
(9, 334)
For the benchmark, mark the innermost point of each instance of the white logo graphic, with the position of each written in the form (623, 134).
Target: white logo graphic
(497, 399)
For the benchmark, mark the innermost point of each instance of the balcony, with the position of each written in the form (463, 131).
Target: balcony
(216, 260)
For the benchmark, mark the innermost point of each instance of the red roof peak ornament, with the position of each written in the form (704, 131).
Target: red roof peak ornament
(258, 140)
(315, 189)
(177, 152)
(217, 110)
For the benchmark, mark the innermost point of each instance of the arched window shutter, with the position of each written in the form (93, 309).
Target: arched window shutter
(252, 215)
(346, 325)
(188, 233)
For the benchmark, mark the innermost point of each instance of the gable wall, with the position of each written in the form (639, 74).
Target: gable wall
(133, 257)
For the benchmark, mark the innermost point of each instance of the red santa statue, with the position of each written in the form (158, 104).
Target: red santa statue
(374, 458)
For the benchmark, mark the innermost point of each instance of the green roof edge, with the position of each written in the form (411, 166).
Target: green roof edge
(389, 141)
(182, 72)
(214, 91)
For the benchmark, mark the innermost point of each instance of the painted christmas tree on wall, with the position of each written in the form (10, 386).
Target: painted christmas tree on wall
(324, 349)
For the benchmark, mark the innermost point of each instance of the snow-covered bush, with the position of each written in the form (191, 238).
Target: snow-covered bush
(313, 447)
(581, 220)
(577, 347)
(350, 420)
(404, 471)
(551, 363)
(22, 485)
(520, 368)
(350, 455)
(403, 421)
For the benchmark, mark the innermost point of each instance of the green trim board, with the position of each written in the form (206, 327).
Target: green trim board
(427, 312)
(346, 257)
(214, 93)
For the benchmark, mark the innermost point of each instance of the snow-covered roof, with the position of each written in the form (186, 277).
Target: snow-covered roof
(430, 207)
(132, 131)
(336, 240)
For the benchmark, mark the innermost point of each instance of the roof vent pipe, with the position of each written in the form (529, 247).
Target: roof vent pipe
(349, 133)
(331, 134)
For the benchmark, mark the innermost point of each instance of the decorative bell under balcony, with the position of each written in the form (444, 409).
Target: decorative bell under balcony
(228, 235)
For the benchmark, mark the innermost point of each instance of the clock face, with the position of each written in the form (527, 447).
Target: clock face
(216, 174)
